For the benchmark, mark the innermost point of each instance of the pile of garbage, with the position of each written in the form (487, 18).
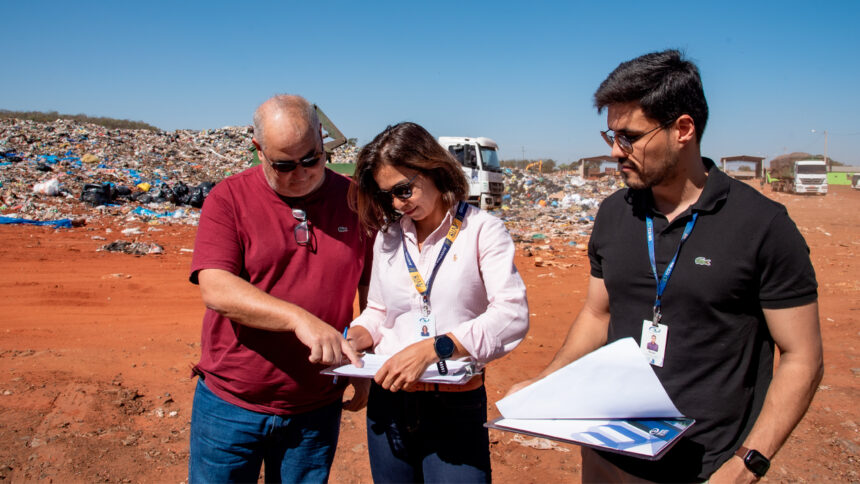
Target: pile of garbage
(68, 173)
(540, 207)
(345, 154)
(69, 169)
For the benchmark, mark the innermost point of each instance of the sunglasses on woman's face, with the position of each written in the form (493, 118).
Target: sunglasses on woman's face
(403, 191)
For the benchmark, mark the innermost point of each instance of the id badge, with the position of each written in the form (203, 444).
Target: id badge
(653, 342)
(426, 326)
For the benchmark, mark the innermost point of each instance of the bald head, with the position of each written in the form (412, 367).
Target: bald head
(285, 116)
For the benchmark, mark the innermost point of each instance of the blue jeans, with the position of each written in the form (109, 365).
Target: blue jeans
(428, 436)
(230, 443)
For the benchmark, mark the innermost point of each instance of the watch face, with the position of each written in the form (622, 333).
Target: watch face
(444, 347)
(757, 463)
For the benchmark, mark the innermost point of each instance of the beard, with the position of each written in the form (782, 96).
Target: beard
(646, 176)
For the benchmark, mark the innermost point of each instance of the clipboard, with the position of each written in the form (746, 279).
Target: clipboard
(459, 372)
(647, 439)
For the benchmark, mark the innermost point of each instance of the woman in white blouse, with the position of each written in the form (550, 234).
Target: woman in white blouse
(443, 287)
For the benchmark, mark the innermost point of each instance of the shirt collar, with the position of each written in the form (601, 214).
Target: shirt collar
(716, 190)
(407, 226)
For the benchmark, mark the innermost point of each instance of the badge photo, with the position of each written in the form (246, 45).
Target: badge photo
(653, 342)
(426, 326)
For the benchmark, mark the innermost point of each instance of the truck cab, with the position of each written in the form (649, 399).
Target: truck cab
(802, 176)
(810, 177)
(479, 158)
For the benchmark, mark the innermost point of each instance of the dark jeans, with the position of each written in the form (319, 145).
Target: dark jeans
(428, 436)
(230, 444)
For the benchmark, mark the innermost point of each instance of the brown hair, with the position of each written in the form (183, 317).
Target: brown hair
(410, 146)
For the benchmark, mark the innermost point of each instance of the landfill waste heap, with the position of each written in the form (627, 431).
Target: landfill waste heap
(69, 173)
(543, 209)
(79, 171)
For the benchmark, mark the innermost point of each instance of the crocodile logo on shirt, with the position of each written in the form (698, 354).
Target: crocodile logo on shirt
(342, 229)
(701, 261)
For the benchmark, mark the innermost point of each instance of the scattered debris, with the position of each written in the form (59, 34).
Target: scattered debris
(133, 248)
(538, 443)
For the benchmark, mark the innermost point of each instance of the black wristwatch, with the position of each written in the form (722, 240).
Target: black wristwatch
(754, 460)
(444, 347)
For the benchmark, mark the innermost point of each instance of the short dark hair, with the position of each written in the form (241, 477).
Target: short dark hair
(410, 146)
(663, 83)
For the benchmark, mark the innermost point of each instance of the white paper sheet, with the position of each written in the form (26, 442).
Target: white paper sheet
(612, 382)
(457, 373)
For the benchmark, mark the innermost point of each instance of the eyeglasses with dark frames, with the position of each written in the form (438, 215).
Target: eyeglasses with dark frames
(403, 191)
(626, 142)
(308, 161)
(301, 232)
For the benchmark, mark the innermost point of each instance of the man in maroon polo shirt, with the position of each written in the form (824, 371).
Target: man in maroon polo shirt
(279, 257)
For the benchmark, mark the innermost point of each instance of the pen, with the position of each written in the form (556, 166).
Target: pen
(334, 381)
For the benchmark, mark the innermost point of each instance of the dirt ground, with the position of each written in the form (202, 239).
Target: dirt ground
(96, 350)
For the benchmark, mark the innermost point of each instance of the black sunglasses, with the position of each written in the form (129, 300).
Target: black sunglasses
(301, 232)
(307, 162)
(403, 191)
(626, 142)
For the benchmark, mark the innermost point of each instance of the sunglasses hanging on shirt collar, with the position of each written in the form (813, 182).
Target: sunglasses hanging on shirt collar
(302, 232)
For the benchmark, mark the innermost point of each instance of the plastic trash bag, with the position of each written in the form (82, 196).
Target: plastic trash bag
(50, 187)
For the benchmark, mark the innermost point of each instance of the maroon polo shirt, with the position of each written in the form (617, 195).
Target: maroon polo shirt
(247, 229)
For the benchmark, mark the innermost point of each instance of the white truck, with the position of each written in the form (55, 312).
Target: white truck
(480, 160)
(802, 176)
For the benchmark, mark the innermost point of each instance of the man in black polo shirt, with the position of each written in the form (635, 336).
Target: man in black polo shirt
(734, 278)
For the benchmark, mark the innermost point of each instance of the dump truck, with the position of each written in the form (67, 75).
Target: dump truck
(479, 158)
(802, 176)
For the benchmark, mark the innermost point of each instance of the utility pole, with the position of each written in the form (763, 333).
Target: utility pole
(826, 161)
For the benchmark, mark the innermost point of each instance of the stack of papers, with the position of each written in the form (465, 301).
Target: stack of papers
(609, 399)
(459, 372)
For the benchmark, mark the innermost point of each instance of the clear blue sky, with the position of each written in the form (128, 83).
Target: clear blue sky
(522, 73)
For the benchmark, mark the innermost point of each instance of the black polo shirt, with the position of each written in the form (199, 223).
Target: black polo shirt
(744, 254)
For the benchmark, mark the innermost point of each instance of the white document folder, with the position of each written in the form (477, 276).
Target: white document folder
(609, 399)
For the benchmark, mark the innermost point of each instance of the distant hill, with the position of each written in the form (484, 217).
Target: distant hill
(52, 116)
(798, 155)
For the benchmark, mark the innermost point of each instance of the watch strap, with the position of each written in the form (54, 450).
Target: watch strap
(742, 452)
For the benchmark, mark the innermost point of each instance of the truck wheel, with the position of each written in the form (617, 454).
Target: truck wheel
(484, 205)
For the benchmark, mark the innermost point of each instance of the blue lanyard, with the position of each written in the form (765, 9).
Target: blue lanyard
(662, 282)
(453, 231)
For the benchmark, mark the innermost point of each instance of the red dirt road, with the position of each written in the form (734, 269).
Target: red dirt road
(96, 347)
